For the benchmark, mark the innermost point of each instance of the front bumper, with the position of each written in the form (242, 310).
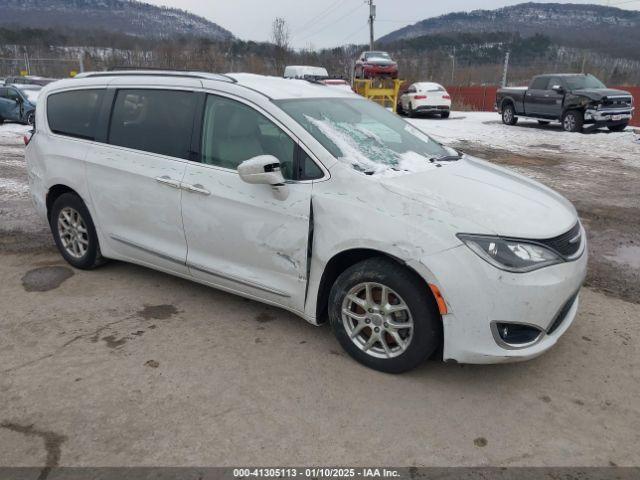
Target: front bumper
(380, 70)
(478, 295)
(608, 116)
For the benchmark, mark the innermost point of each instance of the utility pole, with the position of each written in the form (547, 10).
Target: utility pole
(27, 66)
(584, 62)
(505, 69)
(372, 17)
(453, 65)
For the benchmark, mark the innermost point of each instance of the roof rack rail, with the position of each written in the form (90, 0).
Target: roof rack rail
(130, 71)
(321, 78)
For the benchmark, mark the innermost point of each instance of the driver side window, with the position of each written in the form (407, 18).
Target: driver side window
(233, 132)
(11, 94)
(552, 82)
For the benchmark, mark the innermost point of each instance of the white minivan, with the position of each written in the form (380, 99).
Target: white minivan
(311, 199)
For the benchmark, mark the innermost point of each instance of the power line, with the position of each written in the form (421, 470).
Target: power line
(320, 16)
(313, 34)
(351, 35)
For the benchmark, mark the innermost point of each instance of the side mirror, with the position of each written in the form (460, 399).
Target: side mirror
(264, 170)
(557, 88)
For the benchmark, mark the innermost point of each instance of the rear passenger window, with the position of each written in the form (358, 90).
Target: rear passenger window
(156, 121)
(540, 83)
(73, 113)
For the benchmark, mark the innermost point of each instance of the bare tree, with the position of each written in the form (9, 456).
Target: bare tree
(281, 36)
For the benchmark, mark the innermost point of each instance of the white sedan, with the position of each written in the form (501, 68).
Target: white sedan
(425, 97)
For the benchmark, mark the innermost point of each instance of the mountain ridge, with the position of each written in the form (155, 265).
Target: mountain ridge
(129, 17)
(560, 21)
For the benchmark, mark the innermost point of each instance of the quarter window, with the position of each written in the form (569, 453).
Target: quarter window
(73, 113)
(233, 132)
(308, 169)
(156, 121)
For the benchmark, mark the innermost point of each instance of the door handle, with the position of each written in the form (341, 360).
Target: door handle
(165, 180)
(197, 188)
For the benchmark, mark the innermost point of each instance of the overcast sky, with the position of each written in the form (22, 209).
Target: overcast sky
(327, 23)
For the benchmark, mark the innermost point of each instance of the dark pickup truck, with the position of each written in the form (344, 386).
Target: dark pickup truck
(572, 99)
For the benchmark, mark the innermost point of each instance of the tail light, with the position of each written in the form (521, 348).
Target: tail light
(420, 97)
(446, 97)
(27, 137)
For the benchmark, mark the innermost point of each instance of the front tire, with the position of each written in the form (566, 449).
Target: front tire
(74, 232)
(509, 115)
(618, 128)
(31, 118)
(572, 121)
(382, 315)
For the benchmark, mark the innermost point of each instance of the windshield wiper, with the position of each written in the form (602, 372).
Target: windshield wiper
(447, 158)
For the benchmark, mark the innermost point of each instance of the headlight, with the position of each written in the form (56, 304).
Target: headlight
(512, 255)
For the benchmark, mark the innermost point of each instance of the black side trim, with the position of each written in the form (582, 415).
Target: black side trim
(309, 249)
(562, 314)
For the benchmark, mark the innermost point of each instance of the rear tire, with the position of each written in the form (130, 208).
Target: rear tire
(412, 112)
(445, 114)
(74, 232)
(572, 121)
(1, 120)
(31, 118)
(618, 128)
(403, 301)
(509, 115)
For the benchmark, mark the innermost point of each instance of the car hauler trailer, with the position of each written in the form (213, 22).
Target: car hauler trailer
(383, 91)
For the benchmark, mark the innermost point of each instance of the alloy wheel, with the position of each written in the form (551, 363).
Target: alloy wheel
(569, 123)
(377, 320)
(73, 232)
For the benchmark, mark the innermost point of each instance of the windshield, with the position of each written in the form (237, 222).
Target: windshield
(383, 55)
(365, 135)
(431, 87)
(586, 81)
(31, 93)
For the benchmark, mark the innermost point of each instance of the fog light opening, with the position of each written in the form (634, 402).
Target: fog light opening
(516, 335)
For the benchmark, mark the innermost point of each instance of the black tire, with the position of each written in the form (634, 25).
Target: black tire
(427, 324)
(509, 115)
(412, 112)
(1, 120)
(543, 122)
(31, 118)
(618, 128)
(445, 114)
(399, 109)
(572, 121)
(92, 258)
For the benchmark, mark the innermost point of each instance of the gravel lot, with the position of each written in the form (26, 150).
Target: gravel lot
(125, 366)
